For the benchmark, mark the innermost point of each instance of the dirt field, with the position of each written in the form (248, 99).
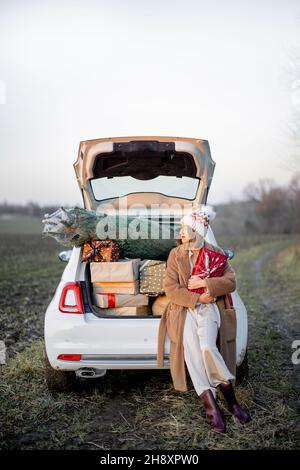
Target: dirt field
(140, 409)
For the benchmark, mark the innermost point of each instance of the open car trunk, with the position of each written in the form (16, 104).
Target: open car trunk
(155, 178)
(104, 313)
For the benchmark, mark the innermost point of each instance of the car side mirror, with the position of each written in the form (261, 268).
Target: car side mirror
(229, 252)
(65, 255)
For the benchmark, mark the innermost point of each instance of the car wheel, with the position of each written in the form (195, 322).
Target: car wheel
(242, 371)
(58, 381)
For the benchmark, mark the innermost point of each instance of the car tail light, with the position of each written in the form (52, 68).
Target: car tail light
(71, 299)
(69, 357)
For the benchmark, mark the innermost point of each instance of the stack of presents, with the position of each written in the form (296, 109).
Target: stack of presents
(123, 286)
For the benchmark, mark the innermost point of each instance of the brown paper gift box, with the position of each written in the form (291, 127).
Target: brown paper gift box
(119, 271)
(120, 300)
(123, 311)
(116, 287)
(160, 304)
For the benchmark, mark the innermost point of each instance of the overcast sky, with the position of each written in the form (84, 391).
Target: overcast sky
(78, 70)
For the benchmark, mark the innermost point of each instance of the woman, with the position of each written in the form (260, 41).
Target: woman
(194, 322)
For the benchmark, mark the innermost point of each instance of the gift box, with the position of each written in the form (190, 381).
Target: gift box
(209, 263)
(123, 311)
(116, 287)
(100, 251)
(152, 273)
(160, 305)
(120, 271)
(120, 300)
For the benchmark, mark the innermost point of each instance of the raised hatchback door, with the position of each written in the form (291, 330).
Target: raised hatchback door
(144, 170)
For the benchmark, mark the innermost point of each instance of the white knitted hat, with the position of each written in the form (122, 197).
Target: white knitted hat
(199, 219)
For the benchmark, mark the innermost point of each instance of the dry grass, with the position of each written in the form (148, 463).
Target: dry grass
(140, 409)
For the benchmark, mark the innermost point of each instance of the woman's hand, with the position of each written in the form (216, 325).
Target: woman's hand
(206, 298)
(195, 282)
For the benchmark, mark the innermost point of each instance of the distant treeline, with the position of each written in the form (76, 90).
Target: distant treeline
(31, 209)
(267, 208)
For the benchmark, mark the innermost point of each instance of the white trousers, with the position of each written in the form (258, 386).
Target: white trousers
(205, 364)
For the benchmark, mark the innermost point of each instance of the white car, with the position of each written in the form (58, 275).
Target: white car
(150, 175)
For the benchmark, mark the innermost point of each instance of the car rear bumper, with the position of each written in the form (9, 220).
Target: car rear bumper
(106, 361)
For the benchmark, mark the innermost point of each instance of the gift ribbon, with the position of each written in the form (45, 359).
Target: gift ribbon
(111, 300)
(94, 250)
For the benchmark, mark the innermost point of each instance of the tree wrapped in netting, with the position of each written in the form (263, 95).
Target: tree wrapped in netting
(138, 236)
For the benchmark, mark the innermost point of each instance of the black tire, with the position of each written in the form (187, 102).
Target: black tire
(58, 381)
(242, 371)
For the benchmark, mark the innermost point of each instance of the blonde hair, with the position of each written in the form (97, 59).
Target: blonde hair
(196, 241)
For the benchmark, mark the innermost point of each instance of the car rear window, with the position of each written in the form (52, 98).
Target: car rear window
(119, 186)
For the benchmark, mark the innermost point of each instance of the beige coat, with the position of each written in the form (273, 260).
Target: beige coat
(172, 321)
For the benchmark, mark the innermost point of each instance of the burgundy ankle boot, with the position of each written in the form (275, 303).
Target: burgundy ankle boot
(232, 404)
(213, 411)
